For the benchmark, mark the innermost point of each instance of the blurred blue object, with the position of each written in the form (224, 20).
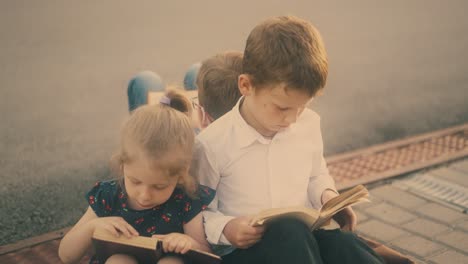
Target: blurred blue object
(140, 85)
(190, 79)
(147, 81)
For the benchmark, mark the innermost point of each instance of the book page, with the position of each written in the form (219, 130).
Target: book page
(353, 196)
(306, 215)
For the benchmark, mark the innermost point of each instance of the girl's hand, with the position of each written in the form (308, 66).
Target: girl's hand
(115, 225)
(176, 242)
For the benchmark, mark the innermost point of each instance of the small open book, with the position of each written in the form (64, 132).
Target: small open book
(144, 249)
(311, 217)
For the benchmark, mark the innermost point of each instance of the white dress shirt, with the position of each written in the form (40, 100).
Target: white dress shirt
(251, 173)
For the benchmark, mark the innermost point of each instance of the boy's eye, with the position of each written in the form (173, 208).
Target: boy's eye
(283, 108)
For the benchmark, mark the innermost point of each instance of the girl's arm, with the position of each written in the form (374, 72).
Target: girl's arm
(77, 241)
(194, 229)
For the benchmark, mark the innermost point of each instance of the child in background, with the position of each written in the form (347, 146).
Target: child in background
(216, 80)
(267, 152)
(154, 194)
(217, 86)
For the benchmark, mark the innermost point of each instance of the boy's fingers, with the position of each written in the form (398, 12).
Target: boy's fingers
(252, 242)
(247, 243)
(255, 231)
(260, 229)
(349, 220)
(251, 236)
(346, 227)
(351, 224)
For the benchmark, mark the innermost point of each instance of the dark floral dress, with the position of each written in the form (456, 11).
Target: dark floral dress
(108, 199)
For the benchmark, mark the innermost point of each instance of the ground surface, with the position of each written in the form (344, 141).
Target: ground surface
(396, 69)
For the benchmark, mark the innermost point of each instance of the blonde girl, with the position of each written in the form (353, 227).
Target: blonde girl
(154, 194)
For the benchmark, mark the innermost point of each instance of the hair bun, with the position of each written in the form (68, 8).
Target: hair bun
(176, 99)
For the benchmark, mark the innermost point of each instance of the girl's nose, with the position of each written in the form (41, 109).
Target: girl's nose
(145, 194)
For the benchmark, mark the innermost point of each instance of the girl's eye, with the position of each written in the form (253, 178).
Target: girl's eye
(159, 188)
(134, 181)
(174, 172)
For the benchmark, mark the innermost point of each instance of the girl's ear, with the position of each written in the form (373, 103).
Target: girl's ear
(245, 84)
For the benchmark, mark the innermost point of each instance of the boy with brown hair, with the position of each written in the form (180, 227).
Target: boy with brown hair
(268, 152)
(217, 85)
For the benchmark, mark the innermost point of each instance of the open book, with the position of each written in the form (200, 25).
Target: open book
(311, 217)
(144, 249)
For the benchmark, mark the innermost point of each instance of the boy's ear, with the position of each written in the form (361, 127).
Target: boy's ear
(206, 121)
(245, 84)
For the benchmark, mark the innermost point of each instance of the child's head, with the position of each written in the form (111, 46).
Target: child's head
(286, 50)
(217, 83)
(156, 151)
(284, 66)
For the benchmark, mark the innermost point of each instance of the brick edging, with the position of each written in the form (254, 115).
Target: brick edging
(394, 144)
(30, 242)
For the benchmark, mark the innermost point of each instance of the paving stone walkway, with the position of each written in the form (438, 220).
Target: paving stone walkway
(426, 230)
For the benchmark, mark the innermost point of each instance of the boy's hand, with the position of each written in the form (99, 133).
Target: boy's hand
(327, 195)
(176, 242)
(115, 225)
(241, 234)
(346, 218)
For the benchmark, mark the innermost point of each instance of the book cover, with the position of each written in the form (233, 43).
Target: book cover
(144, 249)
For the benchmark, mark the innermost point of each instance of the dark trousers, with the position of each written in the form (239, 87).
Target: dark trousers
(290, 241)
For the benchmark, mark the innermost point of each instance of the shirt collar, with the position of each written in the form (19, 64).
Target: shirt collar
(245, 134)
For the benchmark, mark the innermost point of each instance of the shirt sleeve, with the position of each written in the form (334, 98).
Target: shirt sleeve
(192, 207)
(101, 198)
(215, 222)
(319, 183)
(209, 175)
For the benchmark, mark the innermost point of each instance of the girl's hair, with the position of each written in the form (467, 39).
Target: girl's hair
(156, 130)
